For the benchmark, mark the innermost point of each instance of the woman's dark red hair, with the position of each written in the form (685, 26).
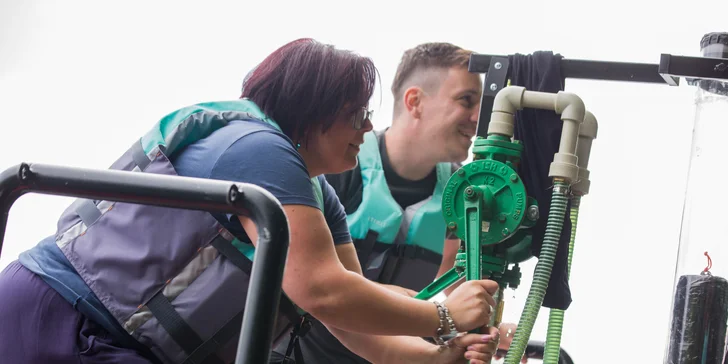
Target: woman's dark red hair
(305, 85)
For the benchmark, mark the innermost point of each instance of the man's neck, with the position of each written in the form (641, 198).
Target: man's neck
(407, 158)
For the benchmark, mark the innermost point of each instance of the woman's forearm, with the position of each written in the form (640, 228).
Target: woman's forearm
(378, 310)
(401, 290)
(317, 280)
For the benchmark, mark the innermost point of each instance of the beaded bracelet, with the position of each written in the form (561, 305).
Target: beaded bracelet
(446, 331)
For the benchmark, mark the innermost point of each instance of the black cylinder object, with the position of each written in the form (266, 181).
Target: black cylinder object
(714, 45)
(700, 313)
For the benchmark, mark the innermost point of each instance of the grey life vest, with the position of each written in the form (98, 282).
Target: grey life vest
(175, 280)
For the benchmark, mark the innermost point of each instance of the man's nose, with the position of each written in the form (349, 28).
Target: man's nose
(475, 114)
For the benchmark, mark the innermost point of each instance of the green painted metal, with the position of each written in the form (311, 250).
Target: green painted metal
(442, 283)
(486, 205)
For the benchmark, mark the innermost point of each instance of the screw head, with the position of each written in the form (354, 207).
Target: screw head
(461, 172)
(514, 177)
(532, 213)
(498, 65)
(506, 231)
(493, 87)
(452, 226)
(24, 172)
(470, 193)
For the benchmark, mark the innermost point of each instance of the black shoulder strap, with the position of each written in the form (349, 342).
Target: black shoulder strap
(286, 307)
(365, 248)
(241, 261)
(299, 330)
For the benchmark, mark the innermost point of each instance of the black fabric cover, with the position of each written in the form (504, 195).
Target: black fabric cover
(540, 132)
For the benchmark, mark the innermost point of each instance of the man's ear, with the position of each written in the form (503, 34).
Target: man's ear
(412, 100)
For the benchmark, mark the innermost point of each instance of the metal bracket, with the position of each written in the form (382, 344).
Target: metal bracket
(495, 80)
(693, 68)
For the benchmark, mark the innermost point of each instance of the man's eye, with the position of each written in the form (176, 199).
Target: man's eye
(467, 101)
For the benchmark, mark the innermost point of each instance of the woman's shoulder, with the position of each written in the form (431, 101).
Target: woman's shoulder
(265, 157)
(239, 142)
(257, 143)
(248, 141)
(255, 135)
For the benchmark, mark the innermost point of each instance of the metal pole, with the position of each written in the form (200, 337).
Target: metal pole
(264, 291)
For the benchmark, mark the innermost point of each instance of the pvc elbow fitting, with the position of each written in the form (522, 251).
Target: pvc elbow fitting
(570, 106)
(505, 105)
(587, 133)
(572, 111)
(509, 99)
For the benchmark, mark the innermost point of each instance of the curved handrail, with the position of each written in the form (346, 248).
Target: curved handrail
(264, 209)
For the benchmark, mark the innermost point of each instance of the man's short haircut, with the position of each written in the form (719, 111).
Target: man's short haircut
(426, 57)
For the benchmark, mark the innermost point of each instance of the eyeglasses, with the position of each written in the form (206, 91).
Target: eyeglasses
(361, 117)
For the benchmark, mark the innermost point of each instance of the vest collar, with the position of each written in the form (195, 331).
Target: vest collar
(254, 110)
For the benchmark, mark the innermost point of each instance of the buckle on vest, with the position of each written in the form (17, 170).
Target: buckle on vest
(302, 328)
(294, 346)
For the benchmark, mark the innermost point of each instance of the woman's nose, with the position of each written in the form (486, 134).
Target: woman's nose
(368, 125)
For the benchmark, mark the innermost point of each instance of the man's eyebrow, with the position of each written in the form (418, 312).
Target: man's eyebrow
(468, 92)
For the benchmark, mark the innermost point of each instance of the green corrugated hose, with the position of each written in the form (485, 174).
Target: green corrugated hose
(556, 316)
(542, 273)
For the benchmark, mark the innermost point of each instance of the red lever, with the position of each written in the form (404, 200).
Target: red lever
(710, 263)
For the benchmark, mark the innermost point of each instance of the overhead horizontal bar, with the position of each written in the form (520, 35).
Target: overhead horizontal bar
(593, 70)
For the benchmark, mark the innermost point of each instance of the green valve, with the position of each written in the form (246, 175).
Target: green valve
(501, 196)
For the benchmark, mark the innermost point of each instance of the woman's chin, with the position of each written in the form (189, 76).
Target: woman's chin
(346, 165)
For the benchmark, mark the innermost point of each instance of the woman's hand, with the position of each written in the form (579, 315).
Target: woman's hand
(469, 348)
(507, 330)
(471, 304)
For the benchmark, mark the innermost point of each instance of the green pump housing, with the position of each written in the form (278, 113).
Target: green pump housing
(486, 205)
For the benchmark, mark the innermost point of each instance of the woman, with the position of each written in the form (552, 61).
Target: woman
(140, 284)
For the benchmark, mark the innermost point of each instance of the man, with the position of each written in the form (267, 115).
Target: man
(393, 197)
(403, 169)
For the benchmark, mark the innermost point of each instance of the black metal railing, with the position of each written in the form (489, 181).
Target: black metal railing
(263, 208)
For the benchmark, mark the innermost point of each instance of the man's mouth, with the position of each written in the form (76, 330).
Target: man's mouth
(468, 134)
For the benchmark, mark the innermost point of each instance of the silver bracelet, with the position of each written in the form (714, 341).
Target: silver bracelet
(446, 331)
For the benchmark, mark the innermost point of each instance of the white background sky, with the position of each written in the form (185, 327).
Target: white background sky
(79, 80)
